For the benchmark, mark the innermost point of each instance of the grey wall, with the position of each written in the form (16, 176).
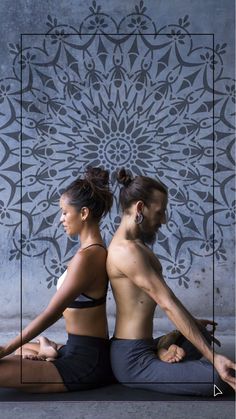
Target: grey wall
(145, 85)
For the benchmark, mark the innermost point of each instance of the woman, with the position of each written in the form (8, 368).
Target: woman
(83, 362)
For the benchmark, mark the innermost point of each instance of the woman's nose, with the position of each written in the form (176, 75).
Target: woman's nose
(61, 218)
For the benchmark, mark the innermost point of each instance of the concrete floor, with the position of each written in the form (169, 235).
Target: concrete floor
(115, 410)
(213, 409)
(90, 409)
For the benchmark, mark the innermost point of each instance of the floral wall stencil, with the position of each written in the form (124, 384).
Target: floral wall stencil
(129, 92)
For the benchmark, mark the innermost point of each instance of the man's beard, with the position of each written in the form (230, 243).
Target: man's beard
(148, 237)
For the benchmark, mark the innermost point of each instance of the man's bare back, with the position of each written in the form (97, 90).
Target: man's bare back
(136, 305)
(132, 302)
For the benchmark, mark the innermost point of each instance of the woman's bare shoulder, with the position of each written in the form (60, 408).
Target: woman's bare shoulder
(85, 258)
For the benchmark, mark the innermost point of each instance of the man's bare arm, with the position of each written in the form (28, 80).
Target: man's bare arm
(141, 273)
(133, 262)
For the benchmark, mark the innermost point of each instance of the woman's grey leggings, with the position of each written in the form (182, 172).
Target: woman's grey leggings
(135, 364)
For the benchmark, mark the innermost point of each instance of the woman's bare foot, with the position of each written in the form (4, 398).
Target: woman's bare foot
(173, 354)
(34, 357)
(47, 349)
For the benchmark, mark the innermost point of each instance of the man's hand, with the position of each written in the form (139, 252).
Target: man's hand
(224, 366)
(206, 322)
(203, 323)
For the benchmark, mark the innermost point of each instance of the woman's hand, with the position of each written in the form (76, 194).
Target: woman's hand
(224, 365)
(203, 323)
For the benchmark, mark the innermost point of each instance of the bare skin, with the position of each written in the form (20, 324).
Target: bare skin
(167, 350)
(37, 377)
(44, 349)
(173, 354)
(48, 349)
(82, 277)
(138, 286)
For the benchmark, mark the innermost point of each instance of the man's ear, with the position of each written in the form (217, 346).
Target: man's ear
(85, 211)
(139, 206)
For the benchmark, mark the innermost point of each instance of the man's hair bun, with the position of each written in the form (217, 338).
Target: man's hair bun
(124, 178)
(138, 188)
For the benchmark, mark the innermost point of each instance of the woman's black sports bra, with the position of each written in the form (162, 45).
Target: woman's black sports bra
(84, 300)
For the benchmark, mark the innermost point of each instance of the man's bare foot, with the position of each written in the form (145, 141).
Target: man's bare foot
(47, 349)
(168, 339)
(173, 354)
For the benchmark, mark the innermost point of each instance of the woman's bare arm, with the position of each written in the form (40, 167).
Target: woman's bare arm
(79, 276)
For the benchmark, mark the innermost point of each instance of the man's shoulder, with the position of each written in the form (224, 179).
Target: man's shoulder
(126, 249)
(123, 256)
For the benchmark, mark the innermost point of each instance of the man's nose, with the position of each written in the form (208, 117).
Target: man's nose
(61, 218)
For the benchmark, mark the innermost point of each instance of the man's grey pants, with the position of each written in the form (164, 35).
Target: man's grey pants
(135, 364)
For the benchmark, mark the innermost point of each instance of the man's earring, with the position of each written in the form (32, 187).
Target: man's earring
(138, 218)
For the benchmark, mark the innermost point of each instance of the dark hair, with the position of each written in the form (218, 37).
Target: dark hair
(91, 192)
(138, 188)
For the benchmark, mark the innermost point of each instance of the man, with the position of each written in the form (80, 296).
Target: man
(138, 286)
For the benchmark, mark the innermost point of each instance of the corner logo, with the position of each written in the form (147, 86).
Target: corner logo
(217, 391)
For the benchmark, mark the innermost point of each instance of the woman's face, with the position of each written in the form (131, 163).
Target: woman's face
(70, 217)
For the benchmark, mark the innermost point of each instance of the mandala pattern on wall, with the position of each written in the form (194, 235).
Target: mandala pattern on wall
(118, 94)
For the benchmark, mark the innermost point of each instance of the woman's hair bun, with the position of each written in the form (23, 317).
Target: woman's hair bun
(91, 191)
(124, 178)
(97, 175)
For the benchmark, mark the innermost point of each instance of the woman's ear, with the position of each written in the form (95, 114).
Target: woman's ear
(84, 213)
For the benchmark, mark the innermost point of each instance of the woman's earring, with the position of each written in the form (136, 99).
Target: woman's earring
(138, 218)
